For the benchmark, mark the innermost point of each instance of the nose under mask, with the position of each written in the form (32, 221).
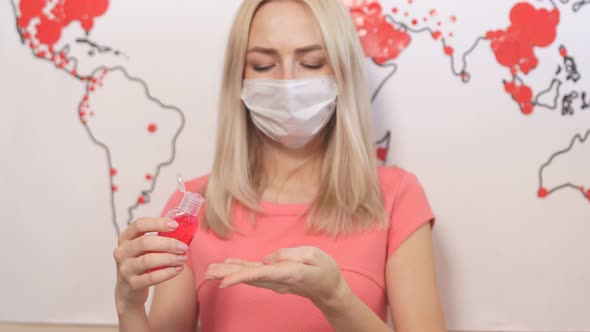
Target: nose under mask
(291, 112)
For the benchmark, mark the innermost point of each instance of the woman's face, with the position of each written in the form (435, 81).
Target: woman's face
(284, 44)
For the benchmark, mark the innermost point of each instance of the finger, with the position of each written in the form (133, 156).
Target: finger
(304, 255)
(144, 225)
(266, 273)
(242, 262)
(148, 243)
(147, 262)
(221, 270)
(153, 278)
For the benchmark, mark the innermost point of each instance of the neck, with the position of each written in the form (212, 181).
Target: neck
(288, 175)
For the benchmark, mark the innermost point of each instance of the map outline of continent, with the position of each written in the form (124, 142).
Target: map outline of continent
(61, 60)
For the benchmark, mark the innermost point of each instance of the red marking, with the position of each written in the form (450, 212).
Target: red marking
(449, 50)
(436, 35)
(379, 38)
(439, 23)
(141, 200)
(26, 35)
(464, 76)
(73, 72)
(113, 171)
(82, 113)
(543, 192)
(93, 80)
(406, 14)
(381, 154)
(453, 18)
(395, 10)
(563, 51)
(104, 72)
(41, 54)
(433, 12)
(114, 188)
(414, 22)
(588, 194)
(28, 10)
(424, 19)
(451, 34)
(91, 88)
(522, 94)
(410, 1)
(152, 128)
(60, 65)
(529, 27)
(148, 177)
(64, 12)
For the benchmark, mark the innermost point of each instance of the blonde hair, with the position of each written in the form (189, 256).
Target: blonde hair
(349, 198)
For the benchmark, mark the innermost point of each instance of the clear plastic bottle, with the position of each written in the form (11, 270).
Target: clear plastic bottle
(186, 216)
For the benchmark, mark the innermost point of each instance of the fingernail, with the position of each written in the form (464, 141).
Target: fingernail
(172, 224)
(182, 258)
(182, 247)
(180, 267)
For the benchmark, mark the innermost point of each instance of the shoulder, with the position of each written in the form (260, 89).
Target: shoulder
(393, 179)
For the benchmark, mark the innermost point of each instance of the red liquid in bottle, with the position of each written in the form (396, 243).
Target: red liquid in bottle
(186, 230)
(187, 227)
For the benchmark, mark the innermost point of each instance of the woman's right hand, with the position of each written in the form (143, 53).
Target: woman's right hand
(137, 253)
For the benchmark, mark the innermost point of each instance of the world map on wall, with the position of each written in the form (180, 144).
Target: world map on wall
(385, 32)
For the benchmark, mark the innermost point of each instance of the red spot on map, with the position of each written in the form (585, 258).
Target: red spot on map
(379, 38)
(542, 193)
(449, 50)
(522, 94)
(529, 28)
(152, 128)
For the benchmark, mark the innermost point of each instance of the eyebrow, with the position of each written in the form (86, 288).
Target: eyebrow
(298, 51)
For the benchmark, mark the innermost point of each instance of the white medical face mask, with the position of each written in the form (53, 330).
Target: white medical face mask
(291, 112)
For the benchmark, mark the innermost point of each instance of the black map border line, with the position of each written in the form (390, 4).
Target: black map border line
(444, 45)
(582, 138)
(393, 67)
(553, 107)
(576, 6)
(15, 11)
(149, 96)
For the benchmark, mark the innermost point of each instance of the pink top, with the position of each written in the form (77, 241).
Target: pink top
(361, 257)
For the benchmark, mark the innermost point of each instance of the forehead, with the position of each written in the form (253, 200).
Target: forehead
(284, 25)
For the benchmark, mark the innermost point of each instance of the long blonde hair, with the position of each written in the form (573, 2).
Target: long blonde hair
(349, 198)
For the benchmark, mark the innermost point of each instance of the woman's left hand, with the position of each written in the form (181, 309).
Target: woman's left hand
(305, 271)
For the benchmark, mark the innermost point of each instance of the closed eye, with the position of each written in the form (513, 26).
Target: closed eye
(313, 67)
(263, 68)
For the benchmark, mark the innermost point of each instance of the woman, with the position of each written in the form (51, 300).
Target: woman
(301, 231)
